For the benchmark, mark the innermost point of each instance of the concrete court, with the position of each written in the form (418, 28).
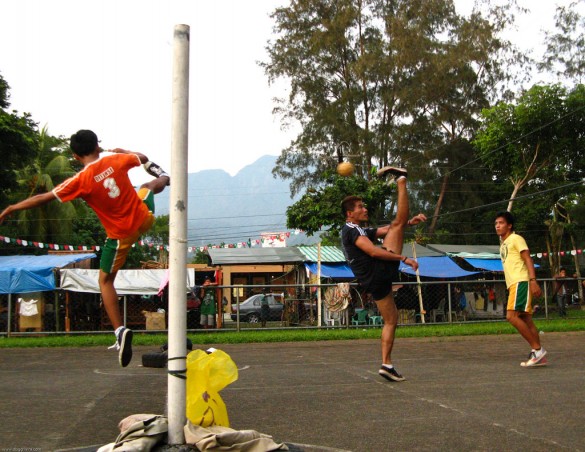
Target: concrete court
(462, 394)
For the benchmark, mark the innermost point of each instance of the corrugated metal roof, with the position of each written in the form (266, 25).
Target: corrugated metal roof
(328, 253)
(421, 251)
(478, 251)
(234, 256)
(332, 254)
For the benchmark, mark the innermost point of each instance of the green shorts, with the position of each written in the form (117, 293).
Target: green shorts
(519, 297)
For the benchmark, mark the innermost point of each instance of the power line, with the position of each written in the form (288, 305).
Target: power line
(513, 141)
(529, 195)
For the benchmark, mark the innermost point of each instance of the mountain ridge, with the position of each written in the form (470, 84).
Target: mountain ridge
(231, 209)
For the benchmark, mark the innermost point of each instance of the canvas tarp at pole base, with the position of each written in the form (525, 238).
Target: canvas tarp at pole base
(128, 282)
(24, 274)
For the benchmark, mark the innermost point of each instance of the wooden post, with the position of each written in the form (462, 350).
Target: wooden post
(420, 298)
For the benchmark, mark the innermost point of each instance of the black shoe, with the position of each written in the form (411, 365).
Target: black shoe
(390, 374)
(125, 344)
(392, 173)
(156, 171)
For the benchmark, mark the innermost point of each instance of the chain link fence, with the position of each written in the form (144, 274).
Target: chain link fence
(289, 306)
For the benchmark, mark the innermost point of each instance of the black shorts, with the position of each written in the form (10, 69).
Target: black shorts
(384, 273)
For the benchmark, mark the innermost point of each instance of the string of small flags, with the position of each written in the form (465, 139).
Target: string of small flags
(560, 253)
(54, 246)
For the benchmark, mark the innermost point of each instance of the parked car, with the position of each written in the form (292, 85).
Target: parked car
(250, 309)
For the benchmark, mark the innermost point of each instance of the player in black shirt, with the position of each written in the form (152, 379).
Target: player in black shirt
(376, 268)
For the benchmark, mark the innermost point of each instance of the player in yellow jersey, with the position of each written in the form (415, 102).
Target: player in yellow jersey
(522, 286)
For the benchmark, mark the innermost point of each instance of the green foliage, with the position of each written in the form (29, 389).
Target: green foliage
(201, 257)
(320, 209)
(536, 145)
(87, 229)
(297, 335)
(539, 138)
(159, 233)
(387, 79)
(53, 222)
(18, 143)
(566, 46)
(139, 254)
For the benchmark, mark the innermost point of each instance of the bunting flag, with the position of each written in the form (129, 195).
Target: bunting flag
(267, 239)
(281, 236)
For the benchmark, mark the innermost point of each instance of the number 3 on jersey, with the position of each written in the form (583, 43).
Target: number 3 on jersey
(112, 187)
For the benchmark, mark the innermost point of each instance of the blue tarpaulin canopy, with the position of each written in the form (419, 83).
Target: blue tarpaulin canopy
(23, 274)
(331, 270)
(492, 265)
(437, 267)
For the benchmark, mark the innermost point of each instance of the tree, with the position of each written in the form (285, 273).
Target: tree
(53, 222)
(320, 209)
(390, 79)
(87, 229)
(537, 145)
(531, 142)
(201, 257)
(565, 48)
(18, 143)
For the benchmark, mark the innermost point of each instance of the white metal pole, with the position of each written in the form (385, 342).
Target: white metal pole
(178, 238)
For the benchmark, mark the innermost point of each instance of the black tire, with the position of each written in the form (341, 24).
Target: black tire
(253, 318)
(189, 346)
(155, 359)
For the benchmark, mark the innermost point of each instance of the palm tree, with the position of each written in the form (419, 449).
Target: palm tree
(51, 223)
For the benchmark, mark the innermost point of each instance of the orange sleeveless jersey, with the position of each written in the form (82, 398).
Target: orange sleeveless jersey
(106, 187)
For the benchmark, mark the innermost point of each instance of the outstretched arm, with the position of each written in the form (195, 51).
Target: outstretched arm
(143, 158)
(29, 203)
(366, 245)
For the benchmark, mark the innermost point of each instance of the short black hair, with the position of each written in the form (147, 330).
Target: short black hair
(348, 204)
(506, 216)
(84, 142)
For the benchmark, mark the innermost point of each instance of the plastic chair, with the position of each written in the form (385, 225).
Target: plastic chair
(376, 320)
(360, 318)
(439, 312)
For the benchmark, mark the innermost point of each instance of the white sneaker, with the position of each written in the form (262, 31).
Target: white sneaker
(536, 358)
(156, 171)
(124, 346)
(392, 173)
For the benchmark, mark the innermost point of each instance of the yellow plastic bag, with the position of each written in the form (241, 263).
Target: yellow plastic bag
(207, 374)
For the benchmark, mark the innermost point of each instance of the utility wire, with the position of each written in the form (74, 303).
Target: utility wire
(529, 195)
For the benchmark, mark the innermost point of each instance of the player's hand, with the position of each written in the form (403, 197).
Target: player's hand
(411, 263)
(5, 213)
(120, 151)
(421, 217)
(535, 289)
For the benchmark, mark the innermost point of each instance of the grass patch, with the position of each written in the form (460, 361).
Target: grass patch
(293, 335)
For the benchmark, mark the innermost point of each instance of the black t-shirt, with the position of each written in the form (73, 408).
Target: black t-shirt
(361, 263)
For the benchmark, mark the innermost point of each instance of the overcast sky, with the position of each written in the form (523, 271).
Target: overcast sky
(106, 65)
